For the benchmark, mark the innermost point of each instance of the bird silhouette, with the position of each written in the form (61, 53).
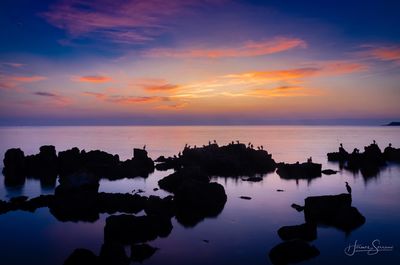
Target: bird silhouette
(348, 187)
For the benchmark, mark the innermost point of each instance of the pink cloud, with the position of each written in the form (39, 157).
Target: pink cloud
(125, 99)
(13, 82)
(390, 53)
(120, 21)
(27, 79)
(92, 79)
(55, 98)
(248, 49)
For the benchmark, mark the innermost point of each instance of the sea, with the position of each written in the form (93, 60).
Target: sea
(246, 230)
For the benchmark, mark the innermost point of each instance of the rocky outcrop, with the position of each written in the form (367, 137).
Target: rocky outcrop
(307, 170)
(369, 162)
(46, 165)
(235, 159)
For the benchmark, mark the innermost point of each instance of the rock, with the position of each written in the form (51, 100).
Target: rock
(279, 190)
(392, 154)
(18, 199)
(305, 170)
(292, 252)
(141, 252)
(253, 179)
(333, 210)
(155, 189)
(230, 160)
(297, 207)
(305, 231)
(130, 229)
(14, 167)
(196, 200)
(160, 207)
(173, 181)
(70, 161)
(329, 171)
(245, 197)
(43, 166)
(78, 182)
(82, 256)
(113, 253)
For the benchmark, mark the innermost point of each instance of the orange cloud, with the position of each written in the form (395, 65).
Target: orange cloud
(13, 82)
(284, 91)
(156, 85)
(93, 79)
(125, 99)
(27, 79)
(341, 67)
(177, 106)
(97, 95)
(249, 49)
(385, 53)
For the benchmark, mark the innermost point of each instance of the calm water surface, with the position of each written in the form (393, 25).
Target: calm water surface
(245, 231)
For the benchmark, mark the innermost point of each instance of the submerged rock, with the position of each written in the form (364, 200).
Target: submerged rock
(245, 197)
(292, 252)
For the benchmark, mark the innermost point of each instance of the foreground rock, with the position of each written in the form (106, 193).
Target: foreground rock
(46, 165)
(333, 210)
(235, 159)
(307, 170)
(195, 197)
(292, 252)
(82, 256)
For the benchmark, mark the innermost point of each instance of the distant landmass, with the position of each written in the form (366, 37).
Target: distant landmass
(393, 123)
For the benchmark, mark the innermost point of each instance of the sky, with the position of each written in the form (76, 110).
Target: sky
(188, 62)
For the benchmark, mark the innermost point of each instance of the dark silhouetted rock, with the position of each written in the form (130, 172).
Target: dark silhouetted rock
(253, 179)
(160, 207)
(141, 252)
(297, 207)
(113, 253)
(369, 162)
(305, 170)
(333, 210)
(14, 167)
(305, 231)
(78, 182)
(130, 229)
(70, 161)
(82, 256)
(173, 181)
(245, 197)
(230, 160)
(328, 171)
(292, 252)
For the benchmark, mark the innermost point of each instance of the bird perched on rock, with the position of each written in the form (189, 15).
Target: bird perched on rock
(348, 188)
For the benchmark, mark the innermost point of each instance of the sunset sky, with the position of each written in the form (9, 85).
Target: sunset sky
(199, 62)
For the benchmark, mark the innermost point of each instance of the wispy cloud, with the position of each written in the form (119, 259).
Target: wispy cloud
(12, 64)
(385, 53)
(126, 100)
(284, 91)
(55, 98)
(118, 21)
(13, 82)
(156, 85)
(92, 79)
(178, 106)
(248, 49)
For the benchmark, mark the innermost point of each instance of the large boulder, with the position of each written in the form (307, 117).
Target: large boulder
(333, 210)
(305, 170)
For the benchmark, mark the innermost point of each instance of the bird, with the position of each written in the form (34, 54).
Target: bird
(348, 187)
(144, 147)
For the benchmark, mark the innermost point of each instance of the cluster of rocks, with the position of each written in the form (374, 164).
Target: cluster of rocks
(306, 170)
(329, 210)
(47, 165)
(369, 162)
(234, 159)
